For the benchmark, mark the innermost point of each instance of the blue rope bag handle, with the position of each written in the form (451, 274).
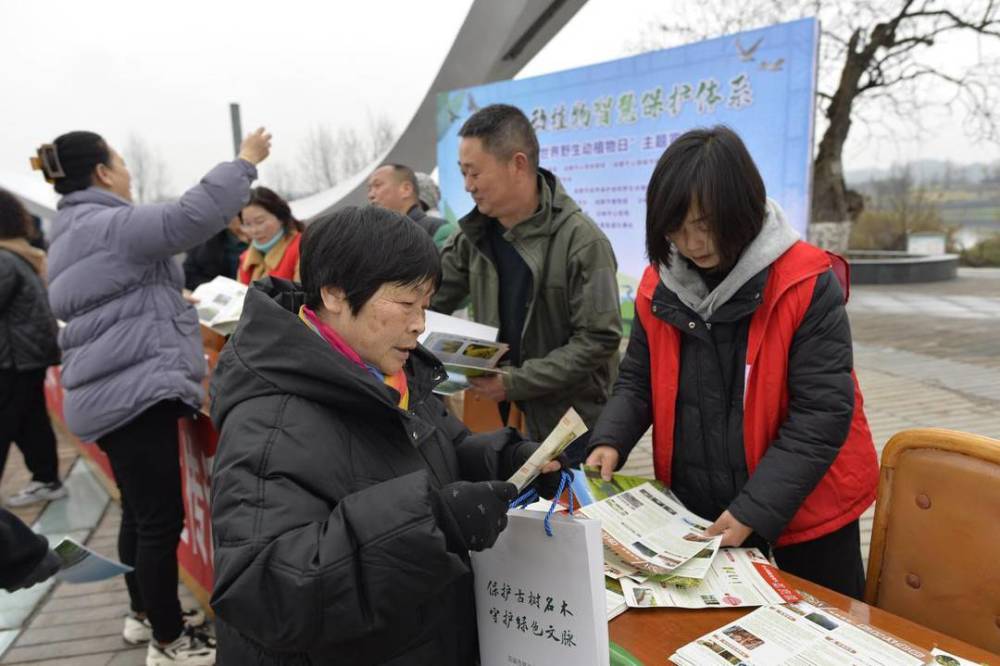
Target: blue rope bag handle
(531, 495)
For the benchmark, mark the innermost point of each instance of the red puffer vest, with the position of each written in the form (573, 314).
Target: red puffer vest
(849, 486)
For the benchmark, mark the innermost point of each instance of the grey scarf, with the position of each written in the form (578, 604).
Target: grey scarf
(774, 239)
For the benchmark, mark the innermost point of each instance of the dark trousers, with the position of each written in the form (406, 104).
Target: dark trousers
(25, 421)
(144, 458)
(832, 560)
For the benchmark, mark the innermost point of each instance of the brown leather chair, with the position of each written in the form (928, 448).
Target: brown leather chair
(935, 553)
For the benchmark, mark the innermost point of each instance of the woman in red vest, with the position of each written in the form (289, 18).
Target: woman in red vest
(740, 358)
(274, 238)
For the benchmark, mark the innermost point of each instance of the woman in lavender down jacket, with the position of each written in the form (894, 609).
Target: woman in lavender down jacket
(132, 353)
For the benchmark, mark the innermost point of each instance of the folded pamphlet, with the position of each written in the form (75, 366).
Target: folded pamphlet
(83, 565)
(220, 303)
(570, 427)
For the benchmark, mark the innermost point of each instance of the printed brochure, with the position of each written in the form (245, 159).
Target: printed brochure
(738, 577)
(465, 348)
(82, 565)
(570, 427)
(800, 633)
(220, 304)
(653, 532)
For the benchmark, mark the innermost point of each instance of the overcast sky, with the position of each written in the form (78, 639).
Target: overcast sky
(168, 71)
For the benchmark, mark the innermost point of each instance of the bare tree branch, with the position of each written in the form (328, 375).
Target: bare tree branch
(148, 171)
(872, 68)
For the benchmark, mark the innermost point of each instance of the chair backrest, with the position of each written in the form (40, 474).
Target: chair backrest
(935, 552)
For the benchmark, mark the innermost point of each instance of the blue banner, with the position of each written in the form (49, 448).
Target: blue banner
(602, 128)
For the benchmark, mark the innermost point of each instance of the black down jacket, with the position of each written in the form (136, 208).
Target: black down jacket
(709, 473)
(27, 328)
(327, 545)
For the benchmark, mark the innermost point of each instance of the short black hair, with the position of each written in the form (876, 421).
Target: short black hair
(711, 168)
(504, 131)
(79, 153)
(405, 173)
(15, 222)
(361, 249)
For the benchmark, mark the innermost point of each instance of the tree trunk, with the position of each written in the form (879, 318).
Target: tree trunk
(830, 226)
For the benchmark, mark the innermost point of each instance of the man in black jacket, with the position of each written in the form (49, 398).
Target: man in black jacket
(395, 187)
(219, 255)
(345, 498)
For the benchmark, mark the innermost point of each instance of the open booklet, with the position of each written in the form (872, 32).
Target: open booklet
(220, 303)
(83, 565)
(800, 633)
(466, 349)
(653, 532)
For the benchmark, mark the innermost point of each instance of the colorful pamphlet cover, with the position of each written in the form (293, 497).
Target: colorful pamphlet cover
(83, 565)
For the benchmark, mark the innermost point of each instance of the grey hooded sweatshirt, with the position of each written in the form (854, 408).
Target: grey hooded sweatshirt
(131, 340)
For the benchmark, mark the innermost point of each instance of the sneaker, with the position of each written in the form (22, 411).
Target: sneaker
(37, 491)
(192, 648)
(138, 631)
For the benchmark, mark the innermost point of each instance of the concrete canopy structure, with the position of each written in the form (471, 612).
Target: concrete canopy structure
(496, 40)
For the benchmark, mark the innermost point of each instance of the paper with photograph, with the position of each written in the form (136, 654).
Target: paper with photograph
(796, 634)
(569, 428)
(738, 577)
(942, 658)
(83, 565)
(653, 532)
(465, 348)
(220, 303)
(615, 601)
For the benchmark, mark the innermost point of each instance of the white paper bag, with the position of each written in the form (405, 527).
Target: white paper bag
(540, 600)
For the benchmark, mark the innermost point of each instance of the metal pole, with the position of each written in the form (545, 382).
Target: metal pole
(234, 119)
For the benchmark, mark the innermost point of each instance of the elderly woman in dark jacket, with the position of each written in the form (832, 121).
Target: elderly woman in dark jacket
(345, 498)
(740, 357)
(27, 347)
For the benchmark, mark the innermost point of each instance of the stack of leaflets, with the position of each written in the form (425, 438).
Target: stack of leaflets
(466, 349)
(738, 577)
(220, 304)
(653, 532)
(803, 633)
(646, 530)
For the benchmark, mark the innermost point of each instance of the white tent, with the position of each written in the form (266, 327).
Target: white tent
(30, 187)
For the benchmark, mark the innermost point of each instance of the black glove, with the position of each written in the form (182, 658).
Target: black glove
(546, 484)
(473, 514)
(43, 571)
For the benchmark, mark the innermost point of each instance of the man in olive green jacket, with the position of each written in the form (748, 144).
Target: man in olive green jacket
(538, 268)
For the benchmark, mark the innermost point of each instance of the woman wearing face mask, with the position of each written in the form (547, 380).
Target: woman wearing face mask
(132, 354)
(740, 357)
(274, 235)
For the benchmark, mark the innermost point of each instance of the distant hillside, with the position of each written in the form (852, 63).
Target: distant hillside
(930, 172)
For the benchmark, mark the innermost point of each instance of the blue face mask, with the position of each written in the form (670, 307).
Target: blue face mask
(266, 246)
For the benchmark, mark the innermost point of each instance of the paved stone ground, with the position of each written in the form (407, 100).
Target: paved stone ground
(926, 355)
